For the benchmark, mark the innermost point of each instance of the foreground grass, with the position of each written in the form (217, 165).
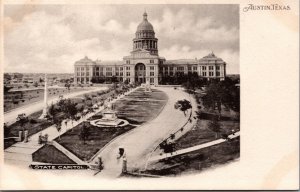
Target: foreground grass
(202, 134)
(197, 160)
(99, 137)
(49, 154)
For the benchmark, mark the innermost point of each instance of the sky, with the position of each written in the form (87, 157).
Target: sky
(50, 38)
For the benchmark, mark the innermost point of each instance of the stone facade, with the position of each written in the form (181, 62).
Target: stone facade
(145, 65)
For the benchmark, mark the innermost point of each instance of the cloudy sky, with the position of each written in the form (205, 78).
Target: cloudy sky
(50, 38)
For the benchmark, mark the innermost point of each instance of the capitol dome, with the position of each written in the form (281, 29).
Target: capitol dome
(145, 37)
(145, 25)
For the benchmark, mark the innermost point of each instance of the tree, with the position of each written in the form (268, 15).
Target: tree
(52, 111)
(52, 116)
(214, 125)
(22, 119)
(183, 105)
(192, 82)
(84, 133)
(6, 89)
(71, 109)
(126, 82)
(68, 85)
(57, 122)
(220, 93)
(35, 84)
(167, 147)
(7, 130)
(114, 79)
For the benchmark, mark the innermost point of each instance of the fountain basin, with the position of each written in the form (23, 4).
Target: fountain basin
(109, 123)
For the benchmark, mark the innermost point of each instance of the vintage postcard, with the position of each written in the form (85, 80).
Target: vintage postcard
(150, 95)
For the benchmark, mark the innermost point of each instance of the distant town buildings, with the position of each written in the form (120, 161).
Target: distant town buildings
(145, 65)
(21, 79)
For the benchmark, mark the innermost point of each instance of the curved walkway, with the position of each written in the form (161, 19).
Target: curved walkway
(139, 142)
(194, 148)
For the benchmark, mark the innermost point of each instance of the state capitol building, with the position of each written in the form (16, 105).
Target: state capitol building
(145, 65)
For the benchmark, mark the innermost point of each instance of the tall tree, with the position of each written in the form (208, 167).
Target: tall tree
(214, 125)
(183, 105)
(84, 132)
(22, 119)
(57, 122)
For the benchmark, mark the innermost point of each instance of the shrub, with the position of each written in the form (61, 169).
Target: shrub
(32, 121)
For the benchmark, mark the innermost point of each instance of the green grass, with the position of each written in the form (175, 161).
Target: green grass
(198, 160)
(49, 154)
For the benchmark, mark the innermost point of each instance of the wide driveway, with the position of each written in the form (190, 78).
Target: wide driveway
(139, 142)
(10, 117)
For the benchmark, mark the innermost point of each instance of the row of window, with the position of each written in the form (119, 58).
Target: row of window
(118, 73)
(151, 61)
(78, 69)
(204, 73)
(194, 68)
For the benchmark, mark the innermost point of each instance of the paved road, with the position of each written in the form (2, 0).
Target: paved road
(10, 117)
(141, 141)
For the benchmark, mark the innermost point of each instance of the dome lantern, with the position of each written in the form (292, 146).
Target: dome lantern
(145, 16)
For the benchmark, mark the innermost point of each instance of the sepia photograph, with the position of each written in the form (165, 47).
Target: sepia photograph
(122, 91)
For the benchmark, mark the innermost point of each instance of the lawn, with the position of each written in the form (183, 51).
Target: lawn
(197, 160)
(49, 154)
(140, 107)
(133, 108)
(202, 134)
(98, 138)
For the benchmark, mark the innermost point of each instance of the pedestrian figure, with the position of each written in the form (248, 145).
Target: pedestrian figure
(121, 153)
(100, 164)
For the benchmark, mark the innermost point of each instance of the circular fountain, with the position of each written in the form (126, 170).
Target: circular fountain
(109, 119)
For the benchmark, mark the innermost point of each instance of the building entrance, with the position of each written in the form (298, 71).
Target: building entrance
(140, 73)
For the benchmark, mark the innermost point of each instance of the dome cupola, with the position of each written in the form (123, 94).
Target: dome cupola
(145, 25)
(145, 37)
